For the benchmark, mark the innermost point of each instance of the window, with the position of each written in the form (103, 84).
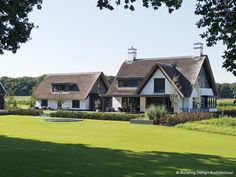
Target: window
(211, 102)
(44, 103)
(159, 85)
(129, 82)
(64, 87)
(75, 104)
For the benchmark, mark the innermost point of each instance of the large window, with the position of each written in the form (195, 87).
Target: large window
(131, 104)
(63, 87)
(129, 82)
(44, 103)
(75, 104)
(159, 85)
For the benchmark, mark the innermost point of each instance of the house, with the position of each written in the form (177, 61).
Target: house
(77, 91)
(2, 94)
(142, 82)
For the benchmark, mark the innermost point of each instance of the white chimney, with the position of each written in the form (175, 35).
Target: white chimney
(198, 50)
(132, 53)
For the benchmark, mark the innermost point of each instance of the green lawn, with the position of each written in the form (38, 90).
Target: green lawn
(225, 126)
(30, 147)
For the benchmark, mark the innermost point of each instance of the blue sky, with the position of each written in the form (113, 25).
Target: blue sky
(75, 36)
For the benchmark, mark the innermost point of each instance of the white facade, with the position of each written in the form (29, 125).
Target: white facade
(67, 104)
(116, 102)
(149, 87)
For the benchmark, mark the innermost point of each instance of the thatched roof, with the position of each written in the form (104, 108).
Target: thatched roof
(84, 82)
(186, 67)
(2, 89)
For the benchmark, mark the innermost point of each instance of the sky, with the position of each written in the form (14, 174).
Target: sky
(75, 36)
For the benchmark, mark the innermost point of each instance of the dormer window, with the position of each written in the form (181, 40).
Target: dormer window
(129, 82)
(159, 85)
(64, 87)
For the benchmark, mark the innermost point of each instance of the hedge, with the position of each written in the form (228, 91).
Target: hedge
(174, 119)
(230, 113)
(96, 115)
(30, 112)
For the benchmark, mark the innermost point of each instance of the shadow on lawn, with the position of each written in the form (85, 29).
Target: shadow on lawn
(30, 158)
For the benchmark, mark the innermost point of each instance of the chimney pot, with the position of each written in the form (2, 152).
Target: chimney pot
(198, 50)
(132, 53)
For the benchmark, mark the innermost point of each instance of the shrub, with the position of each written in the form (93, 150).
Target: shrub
(10, 103)
(231, 113)
(30, 112)
(155, 112)
(96, 115)
(110, 109)
(31, 102)
(174, 119)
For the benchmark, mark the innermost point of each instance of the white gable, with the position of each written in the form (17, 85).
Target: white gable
(149, 87)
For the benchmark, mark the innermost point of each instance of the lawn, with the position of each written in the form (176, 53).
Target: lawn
(226, 104)
(225, 126)
(30, 147)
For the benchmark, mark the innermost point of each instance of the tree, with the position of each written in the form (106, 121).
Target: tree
(10, 103)
(174, 96)
(233, 89)
(218, 17)
(31, 102)
(110, 79)
(197, 100)
(15, 27)
(128, 4)
(226, 90)
(60, 100)
(21, 86)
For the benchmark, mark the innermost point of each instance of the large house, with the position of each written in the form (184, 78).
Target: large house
(142, 82)
(2, 94)
(77, 91)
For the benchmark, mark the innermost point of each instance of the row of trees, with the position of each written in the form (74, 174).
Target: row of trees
(24, 86)
(227, 90)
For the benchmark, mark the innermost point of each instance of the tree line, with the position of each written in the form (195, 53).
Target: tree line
(21, 86)
(24, 86)
(226, 90)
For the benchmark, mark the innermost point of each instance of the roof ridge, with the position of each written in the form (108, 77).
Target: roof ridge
(161, 58)
(78, 73)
